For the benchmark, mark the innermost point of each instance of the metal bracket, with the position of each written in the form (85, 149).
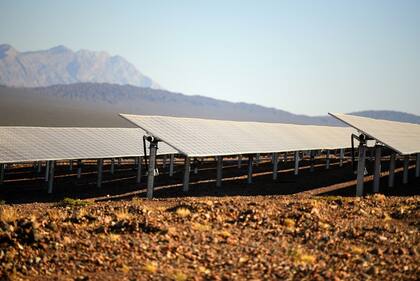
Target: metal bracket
(153, 141)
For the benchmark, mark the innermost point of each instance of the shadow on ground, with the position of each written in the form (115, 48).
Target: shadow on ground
(23, 185)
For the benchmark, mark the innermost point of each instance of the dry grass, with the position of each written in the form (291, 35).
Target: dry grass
(201, 227)
(123, 214)
(179, 276)
(150, 267)
(302, 257)
(289, 223)
(357, 250)
(114, 237)
(54, 214)
(8, 214)
(183, 212)
(74, 202)
(225, 234)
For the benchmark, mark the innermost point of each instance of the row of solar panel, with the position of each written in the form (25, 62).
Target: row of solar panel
(202, 137)
(195, 137)
(25, 144)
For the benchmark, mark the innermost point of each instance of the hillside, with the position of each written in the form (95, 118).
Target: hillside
(60, 65)
(94, 104)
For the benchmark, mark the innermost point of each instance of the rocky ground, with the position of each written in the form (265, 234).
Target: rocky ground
(215, 238)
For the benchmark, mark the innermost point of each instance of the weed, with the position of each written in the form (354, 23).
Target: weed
(8, 214)
(200, 227)
(123, 215)
(289, 223)
(114, 237)
(74, 202)
(180, 276)
(183, 212)
(150, 267)
(54, 214)
(300, 256)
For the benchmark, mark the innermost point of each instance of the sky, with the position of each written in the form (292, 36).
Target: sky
(306, 57)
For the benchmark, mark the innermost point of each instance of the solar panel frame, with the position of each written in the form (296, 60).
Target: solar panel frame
(209, 138)
(404, 138)
(29, 144)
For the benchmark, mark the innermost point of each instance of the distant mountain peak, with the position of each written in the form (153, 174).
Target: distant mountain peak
(59, 49)
(61, 65)
(7, 50)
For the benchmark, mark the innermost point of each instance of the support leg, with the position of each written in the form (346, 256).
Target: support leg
(51, 177)
(219, 171)
(112, 169)
(377, 171)
(361, 169)
(405, 172)
(47, 170)
(79, 168)
(239, 161)
(2, 173)
(417, 165)
(171, 165)
(341, 157)
(138, 179)
(151, 172)
(275, 165)
(250, 163)
(164, 162)
(391, 170)
(296, 163)
(327, 160)
(312, 161)
(100, 169)
(186, 184)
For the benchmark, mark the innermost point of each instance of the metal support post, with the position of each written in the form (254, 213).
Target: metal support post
(391, 170)
(405, 172)
(361, 168)
(377, 171)
(250, 163)
(138, 179)
(275, 165)
(100, 169)
(51, 177)
(219, 171)
(152, 165)
(171, 165)
(187, 167)
(296, 163)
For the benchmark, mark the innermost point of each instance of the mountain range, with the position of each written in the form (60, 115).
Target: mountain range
(60, 65)
(61, 87)
(98, 105)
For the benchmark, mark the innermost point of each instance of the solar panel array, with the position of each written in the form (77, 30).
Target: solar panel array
(196, 137)
(403, 138)
(24, 144)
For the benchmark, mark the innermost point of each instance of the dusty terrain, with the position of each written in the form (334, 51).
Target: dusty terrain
(270, 237)
(237, 232)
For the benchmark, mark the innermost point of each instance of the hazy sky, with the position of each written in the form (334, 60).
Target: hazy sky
(307, 57)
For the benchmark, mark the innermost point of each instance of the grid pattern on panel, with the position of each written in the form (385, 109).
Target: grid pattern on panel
(203, 137)
(404, 138)
(21, 144)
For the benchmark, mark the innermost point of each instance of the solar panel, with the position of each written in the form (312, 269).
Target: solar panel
(24, 144)
(196, 137)
(403, 138)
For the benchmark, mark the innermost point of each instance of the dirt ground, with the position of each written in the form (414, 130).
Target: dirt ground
(305, 227)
